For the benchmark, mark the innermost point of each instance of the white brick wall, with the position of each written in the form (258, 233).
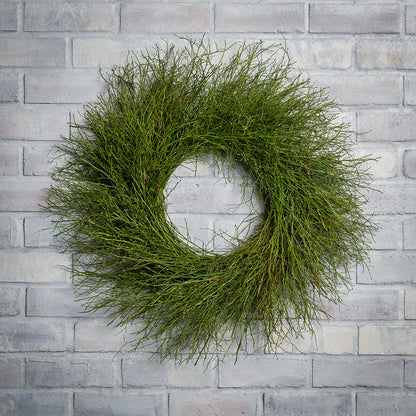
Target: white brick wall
(55, 360)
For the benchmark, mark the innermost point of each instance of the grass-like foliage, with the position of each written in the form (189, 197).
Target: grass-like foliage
(243, 102)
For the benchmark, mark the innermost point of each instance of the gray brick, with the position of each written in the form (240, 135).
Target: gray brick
(386, 404)
(386, 126)
(22, 196)
(8, 16)
(307, 404)
(145, 372)
(33, 124)
(356, 18)
(11, 301)
(137, 404)
(384, 164)
(70, 372)
(263, 18)
(10, 373)
(409, 163)
(384, 54)
(45, 52)
(39, 232)
(40, 160)
(5, 232)
(411, 19)
(9, 160)
(357, 372)
(389, 268)
(361, 89)
(410, 90)
(387, 340)
(32, 266)
(389, 234)
(56, 301)
(410, 304)
(63, 87)
(33, 335)
(216, 403)
(165, 18)
(9, 87)
(263, 371)
(70, 17)
(410, 373)
(409, 231)
(24, 403)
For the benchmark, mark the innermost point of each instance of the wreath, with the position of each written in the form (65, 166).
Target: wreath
(243, 102)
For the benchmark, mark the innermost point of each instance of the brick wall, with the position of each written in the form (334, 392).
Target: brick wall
(57, 361)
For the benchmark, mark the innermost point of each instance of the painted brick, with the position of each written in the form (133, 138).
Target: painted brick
(137, 404)
(9, 160)
(216, 403)
(386, 404)
(40, 160)
(11, 301)
(307, 404)
(411, 19)
(410, 90)
(194, 167)
(32, 266)
(5, 232)
(357, 372)
(263, 371)
(32, 335)
(386, 126)
(389, 234)
(63, 87)
(385, 165)
(9, 87)
(165, 18)
(26, 403)
(361, 89)
(39, 232)
(70, 17)
(70, 372)
(410, 373)
(8, 16)
(391, 199)
(263, 18)
(43, 52)
(52, 301)
(387, 340)
(409, 163)
(22, 196)
(409, 231)
(410, 304)
(388, 268)
(357, 18)
(10, 373)
(331, 53)
(144, 372)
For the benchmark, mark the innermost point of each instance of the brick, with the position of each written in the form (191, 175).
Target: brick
(332, 54)
(387, 340)
(357, 372)
(144, 372)
(409, 231)
(383, 166)
(8, 16)
(263, 18)
(361, 89)
(11, 374)
(263, 371)
(307, 404)
(165, 18)
(411, 19)
(410, 304)
(386, 404)
(5, 232)
(410, 373)
(70, 17)
(24, 403)
(356, 18)
(409, 164)
(9, 160)
(9, 87)
(388, 268)
(11, 301)
(22, 196)
(216, 403)
(70, 372)
(388, 236)
(32, 335)
(41, 160)
(32, 266)
(384, 54)
(386, 126)
(52, 301)
(194, 167)
(391, 199)
(39, 231)
(410, 90)
(137, 404)
(42, 52)
(63, 87)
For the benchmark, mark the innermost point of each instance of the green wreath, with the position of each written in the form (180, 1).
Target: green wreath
(241, 102)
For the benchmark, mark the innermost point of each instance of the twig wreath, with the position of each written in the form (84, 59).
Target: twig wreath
(241, 102)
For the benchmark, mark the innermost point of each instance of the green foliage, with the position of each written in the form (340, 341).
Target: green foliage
(243, 102)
